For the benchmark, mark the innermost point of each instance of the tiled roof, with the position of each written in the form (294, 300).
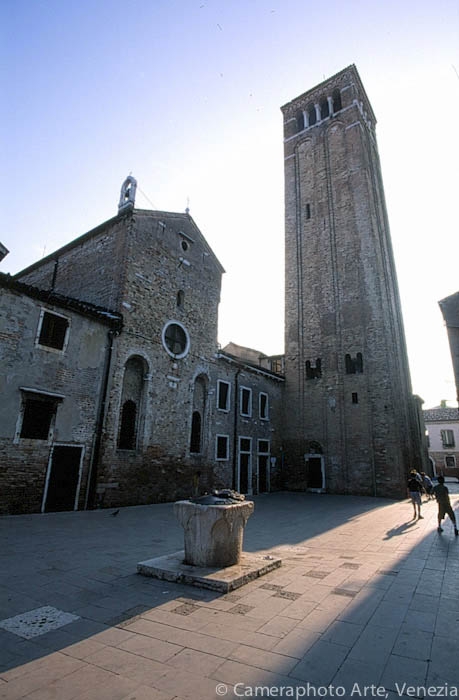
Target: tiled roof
(440, 414)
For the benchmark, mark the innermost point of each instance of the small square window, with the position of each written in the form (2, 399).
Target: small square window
(37, 417)
(277, 365)
(245, 445)
(53, 331)
(263, 447)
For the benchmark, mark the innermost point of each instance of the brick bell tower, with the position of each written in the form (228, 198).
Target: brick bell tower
(351, 420)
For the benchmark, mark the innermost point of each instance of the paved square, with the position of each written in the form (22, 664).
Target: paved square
(364, 596)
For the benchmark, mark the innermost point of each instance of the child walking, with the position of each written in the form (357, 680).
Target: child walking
(444, 505)
(414, 493)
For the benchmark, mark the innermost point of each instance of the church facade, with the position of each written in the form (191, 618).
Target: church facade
(117, 393)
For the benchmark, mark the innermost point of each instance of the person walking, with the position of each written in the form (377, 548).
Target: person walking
(428, 486)
(414, 493)
(444, 504)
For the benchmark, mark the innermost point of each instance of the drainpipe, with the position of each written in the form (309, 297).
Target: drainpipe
(236, 401)
(92, 476)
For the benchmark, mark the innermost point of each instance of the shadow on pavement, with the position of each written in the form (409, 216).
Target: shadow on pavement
(341, 621)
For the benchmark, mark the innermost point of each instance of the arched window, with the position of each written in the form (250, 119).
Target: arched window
(350, 368)
(312, 116)
(354, 365)
(336, 97)
(195, 439)
(180, 298)
(314, 370)
(324, 109)
(300, 121)
(131, 403)
(314, 447)
(127, 434)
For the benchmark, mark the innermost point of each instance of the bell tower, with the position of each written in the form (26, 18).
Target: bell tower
(351, 420)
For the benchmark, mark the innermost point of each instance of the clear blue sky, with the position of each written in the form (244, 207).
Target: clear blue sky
(186, 96)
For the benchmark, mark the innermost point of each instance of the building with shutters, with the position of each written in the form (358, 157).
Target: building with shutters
(442, 424)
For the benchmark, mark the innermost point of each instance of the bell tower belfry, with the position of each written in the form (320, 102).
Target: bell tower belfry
(127, 194)
(351, 420)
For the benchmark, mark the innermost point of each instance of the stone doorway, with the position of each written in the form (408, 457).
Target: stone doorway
(244, 476)
(263, 473)
(63, 478)
(315, 473)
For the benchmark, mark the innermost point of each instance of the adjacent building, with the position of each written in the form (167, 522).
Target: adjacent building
(442, 424)
(53, 354)
(450, 310)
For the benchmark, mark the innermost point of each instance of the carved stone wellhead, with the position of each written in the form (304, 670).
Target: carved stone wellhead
(213, 528)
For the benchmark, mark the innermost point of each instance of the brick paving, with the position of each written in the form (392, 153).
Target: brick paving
(365, 597)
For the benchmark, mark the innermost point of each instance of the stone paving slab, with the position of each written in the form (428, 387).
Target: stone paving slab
(365, 596)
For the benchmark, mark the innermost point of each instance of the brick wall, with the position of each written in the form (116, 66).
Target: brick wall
(342, 299)
(74, 374)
